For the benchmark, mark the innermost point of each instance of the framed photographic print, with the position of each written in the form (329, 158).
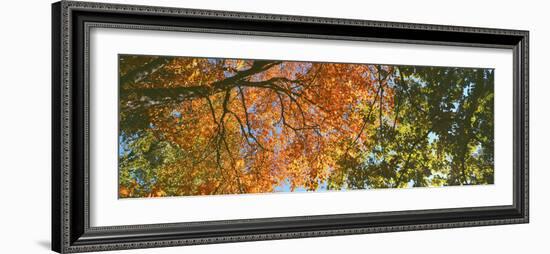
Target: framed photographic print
(181, 126)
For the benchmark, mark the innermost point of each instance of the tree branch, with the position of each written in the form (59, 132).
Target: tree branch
(139, 74)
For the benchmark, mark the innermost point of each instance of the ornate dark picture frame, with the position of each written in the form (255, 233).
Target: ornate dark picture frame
(71, 231)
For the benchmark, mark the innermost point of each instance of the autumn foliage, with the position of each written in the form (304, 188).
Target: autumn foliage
(203, 126)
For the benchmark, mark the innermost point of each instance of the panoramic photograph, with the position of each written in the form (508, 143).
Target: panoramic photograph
(215, 126)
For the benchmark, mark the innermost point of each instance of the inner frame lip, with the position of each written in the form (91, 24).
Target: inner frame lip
(323, 219)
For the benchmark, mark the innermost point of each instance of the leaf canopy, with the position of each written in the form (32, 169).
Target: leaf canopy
(202, 126)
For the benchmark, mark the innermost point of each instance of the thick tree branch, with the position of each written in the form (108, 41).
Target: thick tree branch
(154, 96)
(139, 74)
